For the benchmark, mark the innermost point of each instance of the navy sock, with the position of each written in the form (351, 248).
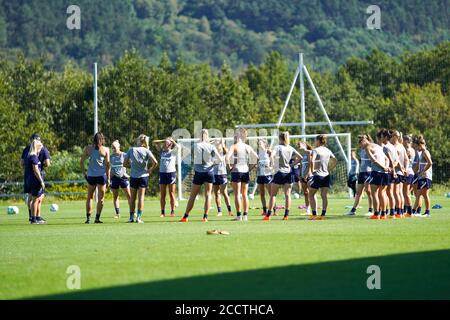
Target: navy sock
(97, 216)
(370, 209)
(205, 216)
(238, 213)
(413, 211)
(314, 213)
(376, 213)
(219, 209)
(163, 212)
(286, 212)
(419, 209)
(427, 212)
(383, 213)
(117, 210)
(186, 216)
(265, 209)
(269, 212)
(391, 212)
(245, 213)
(324, 212)
(229, 208)
(353, 210)
(88, 216)
(131, 215)
(409, 209)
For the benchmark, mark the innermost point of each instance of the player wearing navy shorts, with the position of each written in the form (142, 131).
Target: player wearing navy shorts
(353, 174)
(119, 177)
(305, 172)
(295, 173)
(98, 174)
(407, 185)
(242, 159)
(281, 157)
(400, 169)
(142, 163)
(425, 173)
(384, 136)
(220, 185)
(44, 159)
(365, 170)
(415, 185)
(378, 176)
(264, 172)
(206, 156)
(35, 181)
(322, 162)
(168, 150)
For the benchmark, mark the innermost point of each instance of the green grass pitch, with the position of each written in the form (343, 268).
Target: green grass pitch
(164, 259)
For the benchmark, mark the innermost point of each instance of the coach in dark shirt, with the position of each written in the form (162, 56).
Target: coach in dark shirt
(44, 159)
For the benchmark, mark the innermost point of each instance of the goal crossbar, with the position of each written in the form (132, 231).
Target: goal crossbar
(346, 156)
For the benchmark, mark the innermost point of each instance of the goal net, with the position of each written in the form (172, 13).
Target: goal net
(185, 164)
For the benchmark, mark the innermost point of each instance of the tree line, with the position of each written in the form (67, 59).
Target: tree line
(214, 31)
(409, 93)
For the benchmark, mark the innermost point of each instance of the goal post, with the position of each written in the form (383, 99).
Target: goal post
(185, 162)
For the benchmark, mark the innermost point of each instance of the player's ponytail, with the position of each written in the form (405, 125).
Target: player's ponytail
(284, 138)
(321, 139)
(407, 138)
(143, 141)
(115, 144)
(34, 147)
(420, 140)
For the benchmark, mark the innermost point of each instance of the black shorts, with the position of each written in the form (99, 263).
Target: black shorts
(379, 178)
(399, 179)
(100, 180)
(351, 181)
(318, 182)
(203, 177)
(220, 179)
(243, 177)
(36, 190)
(167, 177)
(409, 179)
(295, 175)
(137, 183)
(424, 183)
(117, 183)
(264, 179)
(363, 177)
(390, 178)
(281, 178)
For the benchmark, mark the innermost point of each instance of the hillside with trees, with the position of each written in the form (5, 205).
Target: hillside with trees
(410, 93)
(217, 31)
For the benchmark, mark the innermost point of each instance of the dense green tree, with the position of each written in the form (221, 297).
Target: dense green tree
(137, 96)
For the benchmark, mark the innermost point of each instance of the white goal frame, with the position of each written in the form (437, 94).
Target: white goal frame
(347, 136)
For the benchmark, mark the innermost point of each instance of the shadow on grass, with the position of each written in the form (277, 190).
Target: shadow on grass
(421, 275)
